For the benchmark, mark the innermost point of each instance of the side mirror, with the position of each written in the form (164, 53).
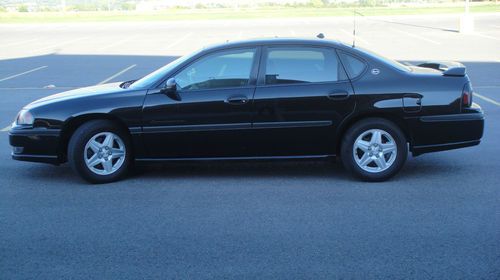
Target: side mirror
(170, 89)
(171, 85)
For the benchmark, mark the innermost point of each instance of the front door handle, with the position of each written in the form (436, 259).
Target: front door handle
(237, 100)
(340, 94)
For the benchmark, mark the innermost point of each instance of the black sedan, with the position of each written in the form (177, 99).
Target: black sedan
(257, 99)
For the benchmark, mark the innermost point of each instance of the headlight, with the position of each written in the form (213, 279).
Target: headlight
(24, 118)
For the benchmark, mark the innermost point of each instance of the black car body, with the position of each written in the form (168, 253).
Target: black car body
(269, 114)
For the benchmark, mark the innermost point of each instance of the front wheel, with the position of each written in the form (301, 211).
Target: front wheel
(99, 152)
(374, 149)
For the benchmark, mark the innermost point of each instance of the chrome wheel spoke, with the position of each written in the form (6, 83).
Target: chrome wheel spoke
(376, 137)
(388, 148)
(363, 145)
(117, 153)
(108, 165)
(93, 161)
(108, 141)
(94, 145)
(380, 162)
(365, 160)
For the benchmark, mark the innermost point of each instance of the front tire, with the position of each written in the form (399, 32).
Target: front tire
(99, 152)
(374, 149)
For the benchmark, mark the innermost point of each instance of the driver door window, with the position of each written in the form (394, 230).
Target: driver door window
(227, 69)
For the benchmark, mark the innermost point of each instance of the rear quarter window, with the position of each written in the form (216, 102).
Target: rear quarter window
(354, 66)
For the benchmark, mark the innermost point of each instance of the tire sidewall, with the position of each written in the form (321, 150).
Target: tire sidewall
(362, 126)
(76, 149)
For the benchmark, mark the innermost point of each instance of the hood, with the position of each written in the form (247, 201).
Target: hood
(78, 93)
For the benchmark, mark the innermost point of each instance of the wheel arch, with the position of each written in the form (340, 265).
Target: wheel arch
(71, 125)
(394, 118)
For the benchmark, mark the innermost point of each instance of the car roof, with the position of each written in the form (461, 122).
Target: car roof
(276, 41)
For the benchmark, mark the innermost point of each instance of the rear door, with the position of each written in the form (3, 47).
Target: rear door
(302, 95)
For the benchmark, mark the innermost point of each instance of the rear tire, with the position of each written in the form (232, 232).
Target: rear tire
(99, 152)
(374, 149)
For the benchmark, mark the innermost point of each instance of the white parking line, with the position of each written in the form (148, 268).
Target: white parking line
(178, 41)
(359, 39)
(292, 33)
(486, 36)
(117, 74)
(417, 36)
(7, 128)
(23, 73)
(19, 43)
(119, 42)
(58, 44)
(487, 99)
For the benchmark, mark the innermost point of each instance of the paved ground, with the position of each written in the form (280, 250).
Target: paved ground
(438, 219)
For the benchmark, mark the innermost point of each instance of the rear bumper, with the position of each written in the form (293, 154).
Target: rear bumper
(35, 144)
(446, 132)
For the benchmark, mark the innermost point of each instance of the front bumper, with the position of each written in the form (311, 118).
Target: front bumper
(446, 132)
(35, 144)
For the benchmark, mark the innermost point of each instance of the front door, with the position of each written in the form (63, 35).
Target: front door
(302, 95)
(210, 115)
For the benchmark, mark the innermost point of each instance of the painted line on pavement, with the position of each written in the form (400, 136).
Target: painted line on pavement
(23, 73)
(358, 38)
(417, 36)
(119, 42)
(486, 36)
(178, 41)
(487, 99)
(19, 42)
(117, 74)
(7, 128)
(58, 44)
(37, 88)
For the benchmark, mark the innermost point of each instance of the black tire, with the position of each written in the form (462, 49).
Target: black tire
(362, 126)
(76, 149)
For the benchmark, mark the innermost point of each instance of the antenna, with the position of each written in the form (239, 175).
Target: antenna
(354, 27)
(354, 30)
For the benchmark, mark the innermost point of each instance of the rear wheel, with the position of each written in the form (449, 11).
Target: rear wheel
(374, 149)
(99, 152)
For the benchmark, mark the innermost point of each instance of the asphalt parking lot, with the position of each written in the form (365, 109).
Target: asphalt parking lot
(438, 219)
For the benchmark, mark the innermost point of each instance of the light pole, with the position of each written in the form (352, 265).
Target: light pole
(467, 20)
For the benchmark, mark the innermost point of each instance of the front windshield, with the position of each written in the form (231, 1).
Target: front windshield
(394, 63)
(150, 79)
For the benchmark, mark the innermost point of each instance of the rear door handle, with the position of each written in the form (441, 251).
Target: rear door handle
(237, 100)
(341, 94)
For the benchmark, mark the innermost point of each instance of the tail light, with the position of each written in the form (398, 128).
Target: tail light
(467, 95)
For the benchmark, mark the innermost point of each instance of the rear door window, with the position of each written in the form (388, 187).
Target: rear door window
(294, 65)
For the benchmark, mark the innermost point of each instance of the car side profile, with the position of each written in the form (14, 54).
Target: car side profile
(257, 99)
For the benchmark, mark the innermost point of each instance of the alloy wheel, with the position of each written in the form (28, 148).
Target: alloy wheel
(104, 153)
(374, 150)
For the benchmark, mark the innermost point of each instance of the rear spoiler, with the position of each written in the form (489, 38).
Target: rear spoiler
(449, 68)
